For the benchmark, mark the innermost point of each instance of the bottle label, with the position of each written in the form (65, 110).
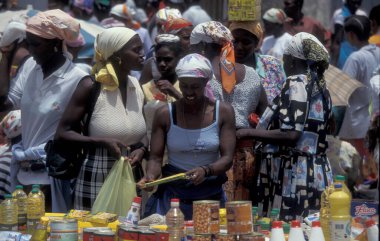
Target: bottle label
(8, 227)
(340, 230)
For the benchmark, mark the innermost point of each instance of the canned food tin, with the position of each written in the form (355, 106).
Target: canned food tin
(125, 233)
(206, 217)
(225, 237)
(202, 237)
(88, 233)
(239, 217)
(104, 236)
(147, 235)
(64, 230)
(252, 237)
(161, 235)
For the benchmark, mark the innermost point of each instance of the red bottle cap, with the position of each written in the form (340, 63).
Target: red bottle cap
(137, 200)
(174, 200)
(369, 223)
(276, 224)
(316, 224)
(296, 224)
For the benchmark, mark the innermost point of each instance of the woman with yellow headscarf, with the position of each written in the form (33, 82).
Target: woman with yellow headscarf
(117, 123)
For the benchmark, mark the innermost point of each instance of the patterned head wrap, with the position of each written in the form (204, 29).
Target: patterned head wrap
(167, 13)
(174, 25)
(194, 66)
(86, 5)
(275, 15)
(216, 32)
(253, 27)
(123, 11)
(53, 24)
(79, 42)
(11, 124)
(106, 44)
(166, 38)
(13, 31)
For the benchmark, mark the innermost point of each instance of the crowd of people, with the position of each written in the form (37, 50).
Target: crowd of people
(242, 107)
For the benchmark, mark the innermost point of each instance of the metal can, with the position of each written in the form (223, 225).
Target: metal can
(145, 235)
(239, 217)
(225, 237)
(104, 236)
(202, 237)
(206, 217)
(252, 237)
(161, 235)
(125, 233)
(88, 233)
(64, 230)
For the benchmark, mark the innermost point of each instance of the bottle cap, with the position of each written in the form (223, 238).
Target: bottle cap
(265, 226)
(6, 196)
(276, 209)
(137, 200)
(315, 224)
(369, 223)
(286, 227)
(19, 187)
(273, 213)
(296, 224)
(189, 223)
(174, 200)
(340, 178)
(36, 186)
(34, 190)
(254, 209)
(337, 185)
(276, 224)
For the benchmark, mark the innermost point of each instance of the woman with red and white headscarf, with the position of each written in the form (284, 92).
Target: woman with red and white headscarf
(41, 90)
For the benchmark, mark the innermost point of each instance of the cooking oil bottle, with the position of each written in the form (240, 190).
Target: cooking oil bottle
(34, 210)
(8, 214)
(340, 216)
(41, 231)
(20, 196)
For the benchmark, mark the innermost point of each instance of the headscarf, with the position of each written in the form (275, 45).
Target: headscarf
(215, 32)
(53, 24)
(12, 32)
(106, 44)
(125, 12)
(253, 27)
(79, 42)
(167, 13)
(166, 38)
(307, 47)
(86, 5)
(194, 66)
(275, 15)
(11, 124)
(174, 25)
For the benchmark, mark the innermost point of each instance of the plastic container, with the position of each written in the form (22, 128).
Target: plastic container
(133, 215)
(277, 233)
(40, 233)
(8, 214)
(21, 197)
(34, 210)
(340, 216)
(342, 180)
(255, 217)
(286, 228)
(175, 221)
(189, 230)
(316, 232)
(324, 215)
(296, 233)
(372, 230)
(40, 193)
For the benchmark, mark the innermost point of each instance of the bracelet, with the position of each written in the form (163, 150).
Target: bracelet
(210, 171)
(144, 148)
(204, 169)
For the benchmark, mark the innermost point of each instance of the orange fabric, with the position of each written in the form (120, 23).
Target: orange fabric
(176, 24)
(375, 39)
(227, 67)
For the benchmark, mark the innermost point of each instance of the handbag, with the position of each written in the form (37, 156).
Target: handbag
(64, 159)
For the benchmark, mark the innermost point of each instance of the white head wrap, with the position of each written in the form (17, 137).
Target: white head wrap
(11, 124)
(123, 11)
(12, 32)
(167, 38)
(275, 15)
(195, 66)
(166, 13)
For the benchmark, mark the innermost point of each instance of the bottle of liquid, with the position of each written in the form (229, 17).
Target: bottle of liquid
(40, 193)
(277, 233)
(133, 215)
(21, 198)
(286, 228)
(342, 180)
(296, 233)
(324, 215)
(8, 214)
(34, 210)
(254, 215)
(273, 217)
(175, 221)
(316, 232)
(340, 216)
(372, 230)
(40, 233)
(189, 230)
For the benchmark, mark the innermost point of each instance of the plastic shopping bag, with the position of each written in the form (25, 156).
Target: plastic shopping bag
(118, 190)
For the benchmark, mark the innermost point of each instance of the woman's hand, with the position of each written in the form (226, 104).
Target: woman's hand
(167, 88)
(113, 146)
(145, 179)
(136, 156)
(196, 175)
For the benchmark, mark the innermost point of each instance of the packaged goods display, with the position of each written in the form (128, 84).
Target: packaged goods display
(206, 217)
(239, 217)
(66, 229)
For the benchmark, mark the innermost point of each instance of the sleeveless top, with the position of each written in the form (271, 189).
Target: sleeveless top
(111, 119)
(190, 148)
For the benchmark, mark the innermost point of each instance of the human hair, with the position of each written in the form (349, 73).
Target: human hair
(373, 133)
(374, 15)
(173, 46)
(359, 25)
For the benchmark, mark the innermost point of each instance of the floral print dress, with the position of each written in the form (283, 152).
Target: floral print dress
(293, 178)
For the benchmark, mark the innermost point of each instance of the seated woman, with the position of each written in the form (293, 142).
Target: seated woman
(293, 174)
(117, 120)
(197, 133)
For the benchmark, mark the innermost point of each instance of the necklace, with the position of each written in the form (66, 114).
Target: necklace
(196, 146)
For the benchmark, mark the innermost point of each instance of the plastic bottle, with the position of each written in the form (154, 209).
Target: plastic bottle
(254, 215)
(175, 221)
(8, 214)
(189, 230)
(342, 180)
(372, 230)
(277, 233)
(286, 228)
(316, 232)
(40, 193)
(324, 215)
(34, 210)
(133, 215)
(340, 218)
(296, 233)
(265, 228)
(21, 198)
(41, 233)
